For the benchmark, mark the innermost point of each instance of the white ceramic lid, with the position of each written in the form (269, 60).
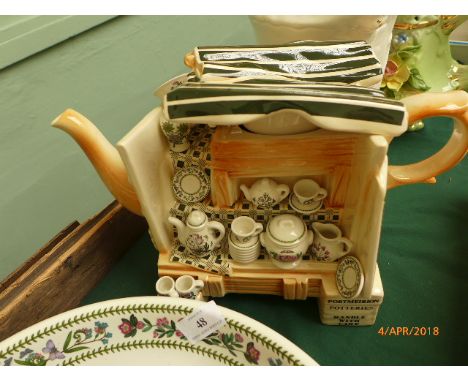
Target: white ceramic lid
(286, 228)
(349, 277)
(196, 218)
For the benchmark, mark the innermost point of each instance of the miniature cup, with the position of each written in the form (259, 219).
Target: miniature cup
(165, 286)
(188, 287)
(329, 244)
(242, 253)
(308, 192)
(176, 134)
(245, 230)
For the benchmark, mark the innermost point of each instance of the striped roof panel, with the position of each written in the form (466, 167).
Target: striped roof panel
(338, 62)
(318, 80)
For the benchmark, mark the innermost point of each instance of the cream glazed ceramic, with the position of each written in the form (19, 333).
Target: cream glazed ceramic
(329, 244)
(143, 331)
(265, 193)
(165, 286)
(199, 235)
(286, 240)
(140, 172)
(187, 287)
(244, 253)
(307, 196)
(245, 230)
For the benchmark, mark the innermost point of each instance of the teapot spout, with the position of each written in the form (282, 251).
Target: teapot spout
(104, 157)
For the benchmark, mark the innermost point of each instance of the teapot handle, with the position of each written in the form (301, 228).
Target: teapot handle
(217, 226)
(452, 104)
(283, 190)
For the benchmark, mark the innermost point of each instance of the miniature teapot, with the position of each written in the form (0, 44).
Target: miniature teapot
(199, 235)
(286, 240)
(265, 193)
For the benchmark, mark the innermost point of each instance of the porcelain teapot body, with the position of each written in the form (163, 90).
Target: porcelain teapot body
(198, 235)
(265, 193)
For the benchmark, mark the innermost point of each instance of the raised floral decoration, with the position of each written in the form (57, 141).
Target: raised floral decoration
(400, 75)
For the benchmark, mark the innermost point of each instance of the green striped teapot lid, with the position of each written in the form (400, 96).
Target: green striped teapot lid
(318, 81)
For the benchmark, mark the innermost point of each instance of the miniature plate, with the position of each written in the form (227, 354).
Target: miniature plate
(349, 277)
(303, 208)
(191, 185)
(142, 331)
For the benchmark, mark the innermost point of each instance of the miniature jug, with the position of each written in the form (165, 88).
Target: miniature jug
(265, 193)
(329, 244)
(199, 235)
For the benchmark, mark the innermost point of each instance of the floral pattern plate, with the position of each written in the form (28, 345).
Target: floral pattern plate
(191, 184)
(143, 331)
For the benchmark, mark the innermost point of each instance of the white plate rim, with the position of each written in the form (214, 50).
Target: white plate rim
(200, 174)
(277, 340)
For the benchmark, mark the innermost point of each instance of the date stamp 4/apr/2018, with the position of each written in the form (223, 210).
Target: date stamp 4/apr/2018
(409, 331)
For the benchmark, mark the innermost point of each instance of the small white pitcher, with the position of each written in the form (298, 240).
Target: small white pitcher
(329, 244)
(187, 287)
(165, 286)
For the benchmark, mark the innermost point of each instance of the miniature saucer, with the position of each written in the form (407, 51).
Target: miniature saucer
(349, 277)
(247, 245)
(191, 185)
(303, 208)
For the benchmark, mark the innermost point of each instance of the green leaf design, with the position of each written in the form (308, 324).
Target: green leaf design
(67, 341)
(87, 317)
(133, 320)
(416, 80)
(30, 363)
(78, 348)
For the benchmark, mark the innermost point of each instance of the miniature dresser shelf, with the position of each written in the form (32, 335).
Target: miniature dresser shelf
(219, 261)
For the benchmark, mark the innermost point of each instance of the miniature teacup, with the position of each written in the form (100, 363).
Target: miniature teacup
(329, 245)
(188, 287)
(245, 230)
(165, 286)
(308, 192)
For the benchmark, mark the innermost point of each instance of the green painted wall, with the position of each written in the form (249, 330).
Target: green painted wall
(109, 74)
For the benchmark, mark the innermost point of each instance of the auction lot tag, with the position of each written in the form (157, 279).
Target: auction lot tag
(201, 322)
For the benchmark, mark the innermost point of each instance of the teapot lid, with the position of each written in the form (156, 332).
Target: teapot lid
(196, 218)
(286, 229)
